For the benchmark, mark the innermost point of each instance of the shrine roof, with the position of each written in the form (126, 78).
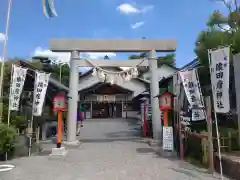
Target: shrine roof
(101, 87)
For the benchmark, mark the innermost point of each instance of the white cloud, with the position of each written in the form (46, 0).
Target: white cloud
(2, 37)
(137, 25)
(56, 56)
(147, 8)
(127, 8)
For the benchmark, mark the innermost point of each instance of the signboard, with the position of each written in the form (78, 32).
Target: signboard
(106, 98)
(193, 92)
(219, 69)
(168, 139)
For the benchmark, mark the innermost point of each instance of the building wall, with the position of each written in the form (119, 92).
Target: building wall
(163, 71)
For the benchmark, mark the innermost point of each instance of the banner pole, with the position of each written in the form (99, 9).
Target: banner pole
(181, 146)
(3, 57)
(30, 136)
(219, 144)
(9, 100)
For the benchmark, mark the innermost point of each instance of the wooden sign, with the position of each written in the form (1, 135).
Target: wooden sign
(106, 98)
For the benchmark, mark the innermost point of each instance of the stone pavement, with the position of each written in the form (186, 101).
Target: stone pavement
(110, 150)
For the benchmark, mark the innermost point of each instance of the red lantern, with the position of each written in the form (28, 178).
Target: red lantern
(165, 104)
(165, 100)
(59, 102)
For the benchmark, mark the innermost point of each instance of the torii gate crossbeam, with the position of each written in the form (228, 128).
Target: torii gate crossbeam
(112, 63)
(76, 46)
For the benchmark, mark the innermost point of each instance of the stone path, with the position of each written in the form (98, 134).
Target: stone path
(110, 150)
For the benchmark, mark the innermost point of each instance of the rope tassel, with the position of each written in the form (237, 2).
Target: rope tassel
(48, 8)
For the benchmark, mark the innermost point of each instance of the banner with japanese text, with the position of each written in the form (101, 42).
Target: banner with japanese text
(219, 70)
(192, 90)
(16, 87)
(40, 89)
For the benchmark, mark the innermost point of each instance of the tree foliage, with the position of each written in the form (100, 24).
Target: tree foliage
(222, 30)
(58, 71)
(7, 140)
(169, 59)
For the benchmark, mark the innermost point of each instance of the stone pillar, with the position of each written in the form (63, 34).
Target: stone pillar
(73, 99)
(154, 91)
(44, 131)
(91, 109)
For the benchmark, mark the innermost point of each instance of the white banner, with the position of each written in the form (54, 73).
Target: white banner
(16, 87)
(192, 90)
(40, 88)
(219, 69)
(168, 138)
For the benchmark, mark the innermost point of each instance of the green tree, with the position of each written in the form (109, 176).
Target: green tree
(169, 59)
(222, 30)
(8, 136)
(17, 120)
(52, 67)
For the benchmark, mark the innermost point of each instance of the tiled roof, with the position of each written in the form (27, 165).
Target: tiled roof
(191, 64)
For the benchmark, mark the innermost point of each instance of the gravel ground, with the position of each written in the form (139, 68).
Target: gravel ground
(110, 150)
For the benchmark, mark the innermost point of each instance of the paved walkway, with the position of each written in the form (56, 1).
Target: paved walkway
(110, 150)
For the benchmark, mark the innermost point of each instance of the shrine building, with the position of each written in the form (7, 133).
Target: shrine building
(104, 100)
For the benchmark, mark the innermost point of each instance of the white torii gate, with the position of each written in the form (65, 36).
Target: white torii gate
(76, 46)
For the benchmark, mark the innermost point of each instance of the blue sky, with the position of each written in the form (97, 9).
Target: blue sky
(30, 30)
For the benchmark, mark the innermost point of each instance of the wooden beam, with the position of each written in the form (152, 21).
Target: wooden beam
(111, 63)
(113, 45)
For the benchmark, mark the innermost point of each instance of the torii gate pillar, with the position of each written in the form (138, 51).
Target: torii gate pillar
(111, 45)
(154, 91)
(73, 99)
